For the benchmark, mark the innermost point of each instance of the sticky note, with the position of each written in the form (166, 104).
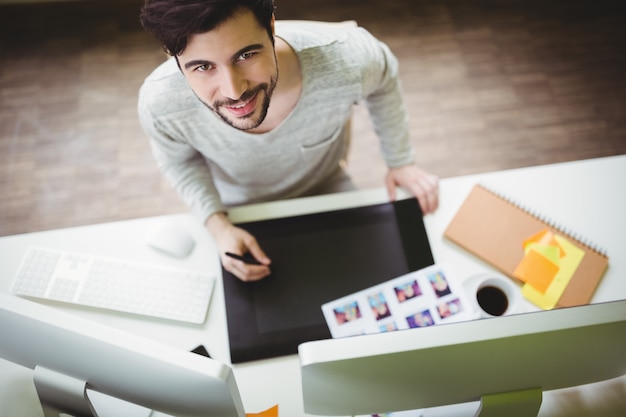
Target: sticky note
(545, 238)
(567, 266)
(552, 252)
(548, 265)
(536, 270)
(270, 412)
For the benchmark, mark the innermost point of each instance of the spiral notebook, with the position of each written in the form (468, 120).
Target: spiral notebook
(495, 229)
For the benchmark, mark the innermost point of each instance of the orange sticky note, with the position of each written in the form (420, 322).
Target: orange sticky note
(270, 412)
(553, 253)
(536, 270)
(547, 238)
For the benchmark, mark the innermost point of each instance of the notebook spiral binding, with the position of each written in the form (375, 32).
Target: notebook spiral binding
(547, 220)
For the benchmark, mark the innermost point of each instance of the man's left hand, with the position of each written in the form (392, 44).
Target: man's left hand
(423, 185)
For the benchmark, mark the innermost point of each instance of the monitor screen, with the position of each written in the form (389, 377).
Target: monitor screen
(72, 357)
(510, 359)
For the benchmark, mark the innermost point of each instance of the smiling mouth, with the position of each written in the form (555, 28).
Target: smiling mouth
(243, 109)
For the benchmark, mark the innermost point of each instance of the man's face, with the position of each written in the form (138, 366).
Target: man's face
(233, 70)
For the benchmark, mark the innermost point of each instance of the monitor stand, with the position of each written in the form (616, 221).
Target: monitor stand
(524, 403)
(62, 395)
(510, 404)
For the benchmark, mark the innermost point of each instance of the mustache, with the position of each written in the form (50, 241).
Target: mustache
(247, 95)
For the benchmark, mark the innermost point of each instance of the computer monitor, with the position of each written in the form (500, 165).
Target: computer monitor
(506, 362)
(78, 363)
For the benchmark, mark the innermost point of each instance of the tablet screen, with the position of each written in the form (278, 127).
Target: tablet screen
(317, 258)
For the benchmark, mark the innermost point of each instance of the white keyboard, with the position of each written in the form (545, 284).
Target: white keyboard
(114, 284)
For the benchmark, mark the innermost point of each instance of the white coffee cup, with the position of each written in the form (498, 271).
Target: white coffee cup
(492, 295)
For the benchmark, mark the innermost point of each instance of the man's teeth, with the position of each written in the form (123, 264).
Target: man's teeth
(241, 105)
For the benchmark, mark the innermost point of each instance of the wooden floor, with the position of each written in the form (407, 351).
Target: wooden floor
(489, 84)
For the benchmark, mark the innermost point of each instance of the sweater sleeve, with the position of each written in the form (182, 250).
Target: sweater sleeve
(384, 101)
(181, 164)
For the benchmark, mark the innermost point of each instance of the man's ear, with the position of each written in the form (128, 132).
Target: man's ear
(272, 23)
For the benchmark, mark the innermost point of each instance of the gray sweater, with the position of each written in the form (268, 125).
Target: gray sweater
(213, 166)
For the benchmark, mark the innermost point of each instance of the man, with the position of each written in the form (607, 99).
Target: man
(245, 114)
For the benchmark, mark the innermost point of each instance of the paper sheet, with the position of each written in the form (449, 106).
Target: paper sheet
(422, 298)
(270, 412)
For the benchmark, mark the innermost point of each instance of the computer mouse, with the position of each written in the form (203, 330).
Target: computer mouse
(171, 240)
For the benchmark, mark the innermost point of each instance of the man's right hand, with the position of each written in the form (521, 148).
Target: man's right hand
(230, 238)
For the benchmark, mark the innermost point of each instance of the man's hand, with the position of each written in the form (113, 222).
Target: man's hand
(421, 184)
(230, 238)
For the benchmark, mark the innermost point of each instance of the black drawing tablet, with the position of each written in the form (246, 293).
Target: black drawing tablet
(317, 258)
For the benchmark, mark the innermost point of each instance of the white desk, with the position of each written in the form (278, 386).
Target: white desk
(588, 196)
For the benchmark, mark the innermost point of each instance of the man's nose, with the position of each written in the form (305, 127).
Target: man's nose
(232, 84)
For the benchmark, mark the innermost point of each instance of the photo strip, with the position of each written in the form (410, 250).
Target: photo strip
(421, 298)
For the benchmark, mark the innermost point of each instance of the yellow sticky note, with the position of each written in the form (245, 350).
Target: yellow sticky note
(567, 266)
(536, 270)
(270, 412)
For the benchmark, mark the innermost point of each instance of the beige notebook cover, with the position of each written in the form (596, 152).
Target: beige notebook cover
(494, 229)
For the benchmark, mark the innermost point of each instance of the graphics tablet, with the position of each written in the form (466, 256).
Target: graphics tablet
(317, 258)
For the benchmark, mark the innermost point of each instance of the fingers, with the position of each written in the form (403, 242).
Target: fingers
(245, 271)
(426, 189)
(238, 242)
(424, 186)
(252, 263)
(258, 254)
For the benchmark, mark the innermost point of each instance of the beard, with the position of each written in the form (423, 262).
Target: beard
(252, 120)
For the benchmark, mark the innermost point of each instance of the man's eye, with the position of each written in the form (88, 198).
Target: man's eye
(203, 68)
(246, 55)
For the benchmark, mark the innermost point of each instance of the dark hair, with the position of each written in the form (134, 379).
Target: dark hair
(173, 21)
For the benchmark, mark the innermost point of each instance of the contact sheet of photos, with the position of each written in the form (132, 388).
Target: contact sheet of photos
(421, 298)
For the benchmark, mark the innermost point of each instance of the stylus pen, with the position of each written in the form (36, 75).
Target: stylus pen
(247, 258)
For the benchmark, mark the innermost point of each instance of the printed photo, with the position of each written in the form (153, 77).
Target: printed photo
(379, 306)
(389, 327)
(408, 291)
(347, 313)
(449, 308)
(420, 319)
(439, 284)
